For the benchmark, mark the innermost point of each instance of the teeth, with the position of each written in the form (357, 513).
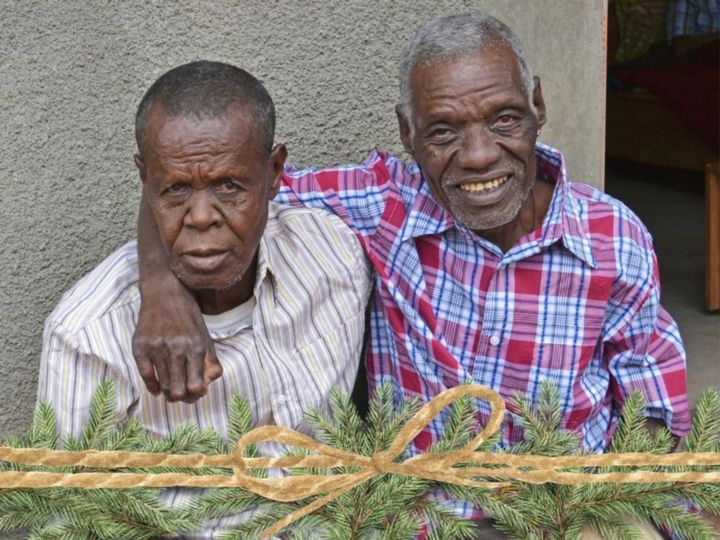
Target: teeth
(484, 186)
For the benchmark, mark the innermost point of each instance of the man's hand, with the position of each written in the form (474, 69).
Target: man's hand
(171, 345)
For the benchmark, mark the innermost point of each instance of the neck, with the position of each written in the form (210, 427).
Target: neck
(529, 217)
(216, 301)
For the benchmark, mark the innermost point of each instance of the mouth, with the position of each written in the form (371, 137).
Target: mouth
(484, 192)
(205, 260)
(484, 186)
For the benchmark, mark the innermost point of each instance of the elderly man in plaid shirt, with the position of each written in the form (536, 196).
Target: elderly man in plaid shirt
(489, 264)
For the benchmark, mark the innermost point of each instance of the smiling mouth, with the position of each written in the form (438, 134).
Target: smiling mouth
(477, 187)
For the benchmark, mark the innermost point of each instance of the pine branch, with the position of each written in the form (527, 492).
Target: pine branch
(607, 531)
(631, 434)
(447, 525)
(542, 425)
(326, 429)
(127, 436)
(705, 496)
(185, 439)
(379, 415)
(222, 502)
(102, 419)
(459, 426)
(401, 524)
(58, 532)
(267, 516)
(705, 431)
(676, 517)
(239, 423)
(43, 430)
(562, 512)
(88, 514)
(385, 418)
(347, 420)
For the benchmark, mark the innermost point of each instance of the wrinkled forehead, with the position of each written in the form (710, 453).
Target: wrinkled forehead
(433, 68)
(165, 131)
(466, 72)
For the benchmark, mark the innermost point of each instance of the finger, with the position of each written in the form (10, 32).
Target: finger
(196, 386)
(211, 365)
(147, 372)
(145, 367)
(177, 361)
(162, 373)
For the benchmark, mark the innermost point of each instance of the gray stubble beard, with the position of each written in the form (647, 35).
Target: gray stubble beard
(469, 219)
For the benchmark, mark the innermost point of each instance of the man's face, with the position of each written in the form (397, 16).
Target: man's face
(208, 183)
(473, 132)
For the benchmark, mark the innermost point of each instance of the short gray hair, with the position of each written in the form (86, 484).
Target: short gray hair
(453, 36)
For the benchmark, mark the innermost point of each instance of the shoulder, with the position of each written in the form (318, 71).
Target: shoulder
(604, 214)
(358, 193)
(319, 228)
(112, 284)
(294, 231)
(615, 232)
(377, 169)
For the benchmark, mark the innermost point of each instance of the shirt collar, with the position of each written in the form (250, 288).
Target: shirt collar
(563, 221)
(267, 251)
(426, 215)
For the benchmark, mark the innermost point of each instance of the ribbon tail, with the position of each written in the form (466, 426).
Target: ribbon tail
(292, 517)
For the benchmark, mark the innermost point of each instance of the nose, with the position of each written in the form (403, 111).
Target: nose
(202, 212)
(479, 150)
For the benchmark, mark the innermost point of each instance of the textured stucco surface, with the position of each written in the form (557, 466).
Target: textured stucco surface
(72, 72)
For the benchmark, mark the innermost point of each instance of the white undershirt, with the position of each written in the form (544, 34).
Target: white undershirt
(231, 322)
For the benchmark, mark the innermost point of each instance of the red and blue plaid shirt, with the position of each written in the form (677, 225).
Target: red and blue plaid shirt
(693, 18)
(575, 302)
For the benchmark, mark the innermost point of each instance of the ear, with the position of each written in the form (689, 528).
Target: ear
(277, 158)
(140, 164)
(539, 102)
(405, 128)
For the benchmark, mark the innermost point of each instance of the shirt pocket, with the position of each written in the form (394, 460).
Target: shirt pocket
(330, 361)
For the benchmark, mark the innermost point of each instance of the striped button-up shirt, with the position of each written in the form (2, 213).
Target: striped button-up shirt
(284, 354)
(575, 302)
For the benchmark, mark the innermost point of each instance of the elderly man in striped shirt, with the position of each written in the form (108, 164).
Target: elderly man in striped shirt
(282, 291)
(489, 264)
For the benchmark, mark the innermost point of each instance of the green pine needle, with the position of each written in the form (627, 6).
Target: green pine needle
(102, 420)
(705, 432)
(43, 431)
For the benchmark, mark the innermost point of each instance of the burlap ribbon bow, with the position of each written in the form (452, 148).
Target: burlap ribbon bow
(441, 467)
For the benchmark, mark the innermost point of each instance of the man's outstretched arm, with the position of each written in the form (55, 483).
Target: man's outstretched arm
(171, 345)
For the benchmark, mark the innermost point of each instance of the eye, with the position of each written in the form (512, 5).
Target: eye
(505, 121)
(440, 135)
(228, 185)
(176, 189)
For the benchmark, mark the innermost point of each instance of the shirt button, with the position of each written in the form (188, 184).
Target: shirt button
(494, 341)
(281, 399)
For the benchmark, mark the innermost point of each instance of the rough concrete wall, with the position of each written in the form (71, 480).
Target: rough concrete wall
(72, 72)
